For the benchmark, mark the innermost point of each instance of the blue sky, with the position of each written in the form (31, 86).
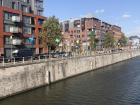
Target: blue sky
(125, 13)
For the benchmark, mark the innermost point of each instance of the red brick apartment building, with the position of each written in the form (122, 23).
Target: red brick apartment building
(78, 30)
(20, 20)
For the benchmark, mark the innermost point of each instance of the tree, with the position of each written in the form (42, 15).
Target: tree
(108, 41)
(123, 41)
(93, 41)
(51, 33)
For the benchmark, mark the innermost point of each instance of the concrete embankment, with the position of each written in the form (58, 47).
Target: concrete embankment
(25, 77)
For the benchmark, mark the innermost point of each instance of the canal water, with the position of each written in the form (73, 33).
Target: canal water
(118, 84)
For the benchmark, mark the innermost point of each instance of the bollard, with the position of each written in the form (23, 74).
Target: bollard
(39, 58)
(62, 56)
(14, 61)
(23, 61)
(45, 58)
(31, 59)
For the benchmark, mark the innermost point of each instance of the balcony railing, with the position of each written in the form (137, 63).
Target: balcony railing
(16, 41)
(16, 19)
(39, 6)
(15, 30)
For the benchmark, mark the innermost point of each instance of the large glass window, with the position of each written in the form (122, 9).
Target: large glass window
(39, 7)
(7, 28)
(1, 2)
(27, 1)
(7, 16)
(40, 21)
(25, 8)
(27, 30)
(39, 12)
(27, 20)
(7, 40)
(29, 41)
(15, 5)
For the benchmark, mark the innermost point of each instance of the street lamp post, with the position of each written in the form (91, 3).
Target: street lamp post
(11, 39)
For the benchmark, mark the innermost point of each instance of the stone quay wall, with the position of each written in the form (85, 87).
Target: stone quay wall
(17, 79)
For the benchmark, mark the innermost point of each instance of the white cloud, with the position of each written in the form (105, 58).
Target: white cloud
(126, 16)
(100, 11)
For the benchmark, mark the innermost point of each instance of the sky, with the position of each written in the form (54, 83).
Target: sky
(125, 13)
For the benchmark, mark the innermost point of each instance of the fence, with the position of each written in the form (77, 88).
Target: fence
(4, 62)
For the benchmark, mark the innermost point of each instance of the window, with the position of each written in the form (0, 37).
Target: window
(27, 1)
(40, 30)
(1, 2)
(39, 12)
(32, 20)
(25, 8)
(40, 21)
(27, 20)
(78, 36)
(33, 31)
(28, 41)
(7, 16)
(78, 31)
(27, 30)
(15, 5)
(39, 7)
(71, 36)
(7, 40)
(7, 28)
(30, 10)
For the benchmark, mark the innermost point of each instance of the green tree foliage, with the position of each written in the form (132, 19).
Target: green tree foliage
(93, 41)
(123, 41)
(51, 33)
(108, 41)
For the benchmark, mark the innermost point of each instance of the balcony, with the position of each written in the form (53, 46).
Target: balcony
(15, 30)
(16, 19)
(16, 41)
(39, 7)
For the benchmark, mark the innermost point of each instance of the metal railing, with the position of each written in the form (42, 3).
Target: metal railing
(4, 62)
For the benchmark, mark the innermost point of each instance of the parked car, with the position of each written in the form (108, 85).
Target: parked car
(53, 54)
(41, 56)
(19, 54)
